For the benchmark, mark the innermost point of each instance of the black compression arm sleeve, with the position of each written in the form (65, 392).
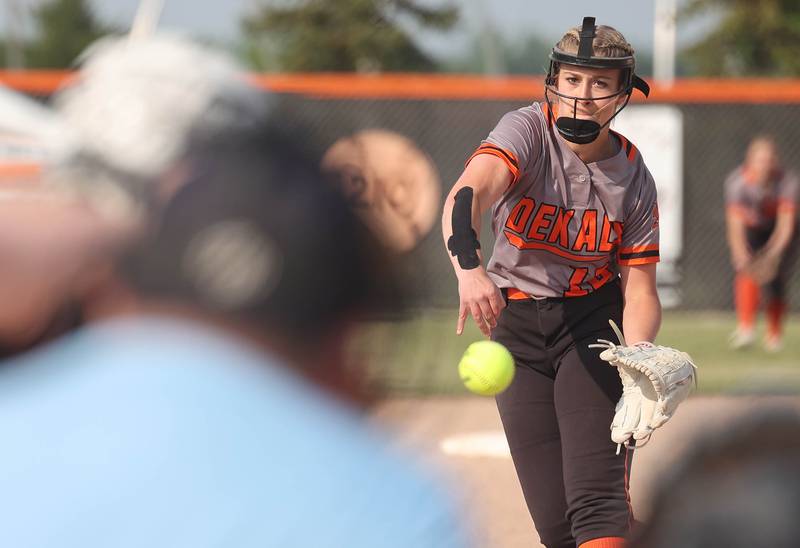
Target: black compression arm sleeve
(464, 243)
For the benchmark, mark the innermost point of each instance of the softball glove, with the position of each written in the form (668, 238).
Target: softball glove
(655, 380)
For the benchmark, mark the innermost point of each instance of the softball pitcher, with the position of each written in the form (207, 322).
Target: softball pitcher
(575, 216)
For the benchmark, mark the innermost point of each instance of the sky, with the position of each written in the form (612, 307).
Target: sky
(219, 19)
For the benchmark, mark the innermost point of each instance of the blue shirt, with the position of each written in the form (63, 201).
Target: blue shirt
(150, 432)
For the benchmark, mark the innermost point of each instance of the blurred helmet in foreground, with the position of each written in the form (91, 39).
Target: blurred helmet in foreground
(392, 185)
(737, 486)
(135, 106)
(27, 129)
(255, 233)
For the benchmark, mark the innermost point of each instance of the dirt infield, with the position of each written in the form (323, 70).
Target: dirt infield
(461, 437)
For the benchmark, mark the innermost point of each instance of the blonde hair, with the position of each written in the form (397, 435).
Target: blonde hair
(763, 141)
(608, 42)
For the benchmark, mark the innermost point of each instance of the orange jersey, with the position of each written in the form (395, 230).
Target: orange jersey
(563, 227)
(759, 204)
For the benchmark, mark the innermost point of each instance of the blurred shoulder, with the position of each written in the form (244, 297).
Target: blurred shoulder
(174, 421)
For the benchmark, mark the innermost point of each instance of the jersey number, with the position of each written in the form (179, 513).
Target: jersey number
(602, 274)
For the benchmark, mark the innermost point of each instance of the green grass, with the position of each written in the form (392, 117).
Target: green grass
(420, 355)
(705, 337)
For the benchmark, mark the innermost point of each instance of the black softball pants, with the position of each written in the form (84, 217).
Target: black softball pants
(776, 288)
(557, 416)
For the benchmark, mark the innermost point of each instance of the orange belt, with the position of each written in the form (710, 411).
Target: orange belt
(514, 294)
(517, 295)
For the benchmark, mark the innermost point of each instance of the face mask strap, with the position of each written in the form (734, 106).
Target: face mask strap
(570, 129)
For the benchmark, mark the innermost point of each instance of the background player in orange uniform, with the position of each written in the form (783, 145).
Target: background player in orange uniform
(761, 201)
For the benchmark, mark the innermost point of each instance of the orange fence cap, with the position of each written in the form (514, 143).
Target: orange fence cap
(455, 87)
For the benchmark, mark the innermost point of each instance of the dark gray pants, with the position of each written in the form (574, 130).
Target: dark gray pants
(557, 416)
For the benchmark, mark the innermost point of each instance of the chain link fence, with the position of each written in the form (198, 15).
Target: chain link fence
(715, 138)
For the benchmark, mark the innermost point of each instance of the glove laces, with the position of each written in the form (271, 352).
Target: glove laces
(605, 344)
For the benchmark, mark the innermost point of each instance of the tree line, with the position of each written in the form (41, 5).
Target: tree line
(750, 38)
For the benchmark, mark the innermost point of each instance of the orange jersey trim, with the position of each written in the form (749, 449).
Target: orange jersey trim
(639, 248)
(737, 209)
(638, 261)
(519, 243)
(550, 112)
(628, 488)
(630, 148)
(635, 255)
(741, 212)
(505, 155)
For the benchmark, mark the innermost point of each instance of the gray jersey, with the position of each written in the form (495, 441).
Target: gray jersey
(563, 226)
(759, 204)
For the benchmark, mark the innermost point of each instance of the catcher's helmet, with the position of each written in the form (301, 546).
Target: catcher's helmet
(572, 128)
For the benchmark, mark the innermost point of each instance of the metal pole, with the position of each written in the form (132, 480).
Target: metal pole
(15, 54)
(493, 57)
(664, 40)
(146, 19)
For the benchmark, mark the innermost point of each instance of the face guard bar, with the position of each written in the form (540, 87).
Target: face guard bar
(572, 128)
